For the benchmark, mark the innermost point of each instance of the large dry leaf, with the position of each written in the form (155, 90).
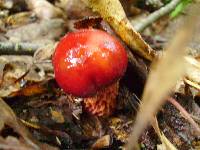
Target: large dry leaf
(44, 9)
(113, 13)
(42, 32)
(163, 76)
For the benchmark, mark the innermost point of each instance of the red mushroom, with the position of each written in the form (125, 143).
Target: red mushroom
(88, 63)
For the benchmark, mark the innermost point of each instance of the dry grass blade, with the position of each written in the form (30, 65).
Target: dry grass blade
(163, 76)
(192, 84)
(113, 13)
(166, 144)
(193, 72)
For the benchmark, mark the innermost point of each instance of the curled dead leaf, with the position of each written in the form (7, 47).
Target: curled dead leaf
(113, 13)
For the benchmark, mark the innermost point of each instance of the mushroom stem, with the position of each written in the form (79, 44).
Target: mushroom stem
(104, 102)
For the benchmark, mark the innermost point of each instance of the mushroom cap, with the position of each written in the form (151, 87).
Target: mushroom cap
(88, 60)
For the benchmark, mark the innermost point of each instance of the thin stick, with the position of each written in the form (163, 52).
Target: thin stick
(10, 48)
(156, 15)
(185, 114)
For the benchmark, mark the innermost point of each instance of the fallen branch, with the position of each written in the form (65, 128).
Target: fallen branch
(10, 48)
(156, 15)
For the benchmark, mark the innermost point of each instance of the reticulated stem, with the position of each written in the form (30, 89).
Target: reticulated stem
(104, 102)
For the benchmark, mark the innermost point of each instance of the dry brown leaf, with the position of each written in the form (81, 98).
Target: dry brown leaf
(193, 69)
(44, 9)
(75, 9)
(43, 32)
(13, 68)
(16, 71)
(44, 53)
(163, 76)
(20, 19)
(103, 142)
(92, 127)
(30, 90)
(113, 13)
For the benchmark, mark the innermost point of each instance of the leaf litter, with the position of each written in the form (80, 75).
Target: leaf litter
(54, 121)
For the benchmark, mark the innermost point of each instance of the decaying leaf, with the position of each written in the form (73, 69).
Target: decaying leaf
(25, 141)
(103, 142)
(118, 127)
(12, 69)
(88, 22)
(57, 116)
(75, 9)
(20, 19)
(162, 78)
(113, 13)
(44, 9)
(92, 127)
(30, 90)
(17, 71)
(44, 53)
(42, 33)
(7, 116)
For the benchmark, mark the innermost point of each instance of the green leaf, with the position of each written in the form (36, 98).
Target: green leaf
(179, 8)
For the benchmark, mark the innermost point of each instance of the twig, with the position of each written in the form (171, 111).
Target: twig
(185, 114)
(8, 48)
(156, 15)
